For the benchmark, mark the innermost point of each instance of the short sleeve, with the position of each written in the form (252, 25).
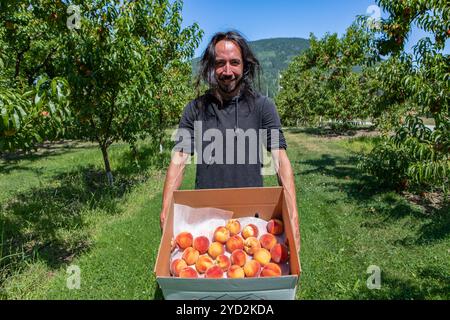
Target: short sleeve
(274, 139)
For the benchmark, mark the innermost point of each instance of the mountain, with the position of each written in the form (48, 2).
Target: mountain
(274, 55)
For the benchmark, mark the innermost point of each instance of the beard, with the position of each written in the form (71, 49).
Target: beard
(229, 84)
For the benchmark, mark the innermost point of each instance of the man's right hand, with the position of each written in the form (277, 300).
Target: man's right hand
(162, 219)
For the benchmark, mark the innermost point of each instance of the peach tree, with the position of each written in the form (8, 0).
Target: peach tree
(128, 68)
(326, 81)
(416, 154)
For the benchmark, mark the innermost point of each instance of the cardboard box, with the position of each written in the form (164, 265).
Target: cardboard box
(268, 203)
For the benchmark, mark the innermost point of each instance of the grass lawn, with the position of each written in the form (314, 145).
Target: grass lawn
(56, 212)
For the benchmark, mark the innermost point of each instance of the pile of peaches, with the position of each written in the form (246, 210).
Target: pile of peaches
(234, 252)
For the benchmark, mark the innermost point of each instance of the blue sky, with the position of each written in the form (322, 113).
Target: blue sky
(264, 19)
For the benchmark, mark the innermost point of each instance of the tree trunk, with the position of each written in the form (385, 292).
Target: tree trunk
(107, 165)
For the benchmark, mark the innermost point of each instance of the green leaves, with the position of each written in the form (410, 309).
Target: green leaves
(27, 118)
(33, 100)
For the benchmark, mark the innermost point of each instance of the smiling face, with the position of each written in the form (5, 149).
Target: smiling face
(229, 67)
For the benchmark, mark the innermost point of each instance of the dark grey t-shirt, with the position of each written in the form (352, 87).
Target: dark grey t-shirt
(228, 139)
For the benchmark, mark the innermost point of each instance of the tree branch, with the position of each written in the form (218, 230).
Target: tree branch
(19, 61)
(43, 64)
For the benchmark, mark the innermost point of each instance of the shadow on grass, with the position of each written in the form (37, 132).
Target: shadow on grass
(429, 282)
(50, 222)
(382, 208)
(11, 161)
(436, 228)
(377, 201)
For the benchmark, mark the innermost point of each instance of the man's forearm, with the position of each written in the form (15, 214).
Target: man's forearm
(285, 173)
(174, 178)
(286, 178)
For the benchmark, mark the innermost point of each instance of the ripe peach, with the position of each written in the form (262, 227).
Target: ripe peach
(268, 241)
(203, 263)
(234, 226)
(176, 266)
(252, 268)
(190, 255)
(250, 230)
(216, 249)
(214, 272)
(279, 253)
(262, 256)
(223, 262)
(188, 272)
(238, 257)
(275, 227)
(271, 270)
(221, 234)
(234, 243)
(251, 244)
(201, 244)
(184, 240)
(236, 272)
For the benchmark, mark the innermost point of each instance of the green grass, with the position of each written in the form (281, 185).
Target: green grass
(56, 211)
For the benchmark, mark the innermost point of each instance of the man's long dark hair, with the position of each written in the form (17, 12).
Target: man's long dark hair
(252, 67)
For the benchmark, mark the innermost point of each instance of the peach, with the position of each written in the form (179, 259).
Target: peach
(262, 256)
(275, 226)
(250, 230)
(221, 234)
(214, 272)
(201, 244)
(216, 249)
(223, 262)
(234, 226)
(252, 268)
(238, 257)
(236, 272)
(190, 255)
(188, 272)
(251, 244)
(184, 240)
(203, 263)
(176, 266)
(268, 241)
(234, 243)
(271, 270)
(279, 253)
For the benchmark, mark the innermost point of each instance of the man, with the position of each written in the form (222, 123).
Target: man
(230, 113)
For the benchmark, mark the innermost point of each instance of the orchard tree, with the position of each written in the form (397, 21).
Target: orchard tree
(422, 79)
(128, 68)
(33, 100)
(324, 82)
